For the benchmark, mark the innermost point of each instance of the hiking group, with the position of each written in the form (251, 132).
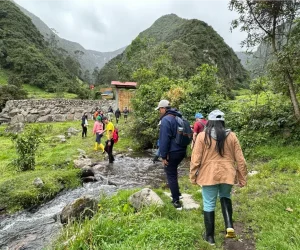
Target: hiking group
(103, 126)
(217, 161)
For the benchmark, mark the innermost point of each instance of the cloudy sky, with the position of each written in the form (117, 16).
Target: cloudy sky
(107, 25)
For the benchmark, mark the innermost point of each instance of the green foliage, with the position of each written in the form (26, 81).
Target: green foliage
(26, 145)
(273, 23)
(198, 94)
(10, 92)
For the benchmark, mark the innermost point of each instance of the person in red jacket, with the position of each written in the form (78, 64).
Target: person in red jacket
(198, 127)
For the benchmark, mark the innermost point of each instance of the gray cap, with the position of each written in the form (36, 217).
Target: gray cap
(216, 115)
(163, 104)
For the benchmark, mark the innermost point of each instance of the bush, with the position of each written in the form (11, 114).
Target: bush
(26, 145)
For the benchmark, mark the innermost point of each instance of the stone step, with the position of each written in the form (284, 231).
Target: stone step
(187, 201)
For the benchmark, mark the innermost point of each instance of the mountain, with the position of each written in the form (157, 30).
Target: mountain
(89, 60)
(190, 43)
(27, 58)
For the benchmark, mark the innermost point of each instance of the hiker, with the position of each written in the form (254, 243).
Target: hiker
(84, 124)
(213, 167)
(98, 131)
(117, 115)
(95, 115)
(157, 153)
(125, 112)
(110, 113)
(171, 152)
(109, 144)
(198, 127)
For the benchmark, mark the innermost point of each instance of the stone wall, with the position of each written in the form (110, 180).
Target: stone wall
(44, 110)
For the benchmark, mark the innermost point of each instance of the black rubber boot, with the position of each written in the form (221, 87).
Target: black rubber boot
(209, 221)
(226, 205)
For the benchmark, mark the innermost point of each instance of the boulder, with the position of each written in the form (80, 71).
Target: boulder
(31, 118)
(59, 118)
(87, 172)
(73, 131)
(46, 118)
(17, 118)
(82, 162)
(145, 197)
(14, 112)
(84, 207)
(61, 138)
(38, 182)
(45, 112)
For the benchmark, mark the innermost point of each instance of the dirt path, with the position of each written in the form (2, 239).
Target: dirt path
(244, 241)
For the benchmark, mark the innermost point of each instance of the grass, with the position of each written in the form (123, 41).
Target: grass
(262, 207)
(3, 77)
(37, 93)
(54, 164)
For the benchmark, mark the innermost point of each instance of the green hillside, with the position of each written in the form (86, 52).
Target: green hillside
(188, 43)
(26, 57)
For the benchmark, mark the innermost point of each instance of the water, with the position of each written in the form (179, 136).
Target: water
(35, 230)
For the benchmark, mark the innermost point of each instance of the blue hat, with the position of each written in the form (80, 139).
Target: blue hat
(198, 115)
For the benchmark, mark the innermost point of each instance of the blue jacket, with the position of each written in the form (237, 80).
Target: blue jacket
(168, 130)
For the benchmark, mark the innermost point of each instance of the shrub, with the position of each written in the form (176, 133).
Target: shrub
(26, 145)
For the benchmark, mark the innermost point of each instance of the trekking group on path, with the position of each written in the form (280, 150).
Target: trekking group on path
(103, 126)
(217, 161)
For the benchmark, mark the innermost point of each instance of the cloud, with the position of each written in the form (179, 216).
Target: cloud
(109, 25)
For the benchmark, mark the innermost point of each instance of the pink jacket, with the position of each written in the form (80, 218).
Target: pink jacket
(98, 127)
(214, 169)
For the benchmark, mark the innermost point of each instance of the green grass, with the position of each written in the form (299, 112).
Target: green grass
(37, 93)
(54, 164)
(261, 207)
(3, 77)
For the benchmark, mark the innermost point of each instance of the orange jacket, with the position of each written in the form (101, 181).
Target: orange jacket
(212, 168)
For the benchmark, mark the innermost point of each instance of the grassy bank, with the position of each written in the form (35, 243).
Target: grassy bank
(268, 208)
(54, 165)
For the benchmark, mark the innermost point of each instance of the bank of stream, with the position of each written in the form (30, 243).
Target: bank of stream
(36, 229)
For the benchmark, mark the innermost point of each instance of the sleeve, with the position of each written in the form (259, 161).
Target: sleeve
(197, 127)
(165, 137)
(241, 163)
(196, 159)
(94, 128)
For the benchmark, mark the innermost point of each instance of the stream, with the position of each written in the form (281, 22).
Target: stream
(37, 229)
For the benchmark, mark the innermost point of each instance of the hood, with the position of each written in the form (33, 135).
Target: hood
(214, 135)
(172, 111)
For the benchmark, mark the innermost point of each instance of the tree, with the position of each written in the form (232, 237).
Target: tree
(271, 22)
(95, 74)
(87, 76)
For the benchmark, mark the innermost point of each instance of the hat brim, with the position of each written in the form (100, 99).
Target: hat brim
(157, 108)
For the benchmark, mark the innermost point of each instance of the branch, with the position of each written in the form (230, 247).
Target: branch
(255, 19)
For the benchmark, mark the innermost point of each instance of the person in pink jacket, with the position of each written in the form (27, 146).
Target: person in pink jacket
(217, 162)
(98, 131)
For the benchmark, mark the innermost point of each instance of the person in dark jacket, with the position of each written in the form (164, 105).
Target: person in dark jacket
(125, 112)
(117, 115)
(84, 124)
(171, 153)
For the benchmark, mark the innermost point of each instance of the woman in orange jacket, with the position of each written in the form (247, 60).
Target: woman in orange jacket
(217, 161)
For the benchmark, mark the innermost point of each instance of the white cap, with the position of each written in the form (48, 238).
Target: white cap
(216, 115)
(163, 104)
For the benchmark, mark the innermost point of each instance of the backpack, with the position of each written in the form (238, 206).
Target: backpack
(184, 134)
(116, 135)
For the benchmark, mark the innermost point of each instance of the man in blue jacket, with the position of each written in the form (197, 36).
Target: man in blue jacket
(171, 153)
